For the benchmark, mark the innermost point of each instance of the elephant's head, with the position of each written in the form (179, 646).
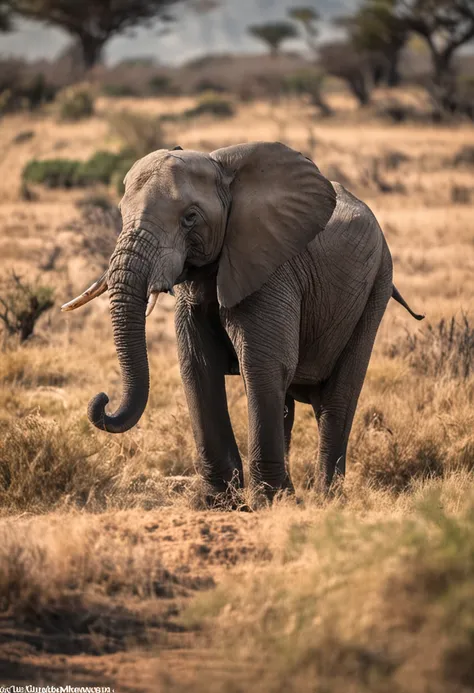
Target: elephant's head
(246, 208)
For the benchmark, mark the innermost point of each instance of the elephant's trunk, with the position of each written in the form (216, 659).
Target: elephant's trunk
(128, 286)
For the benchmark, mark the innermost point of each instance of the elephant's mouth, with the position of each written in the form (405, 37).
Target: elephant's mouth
(192, 272)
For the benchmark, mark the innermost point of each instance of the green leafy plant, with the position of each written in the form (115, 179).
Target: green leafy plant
(53, 173)
(71, 173)
(118, 90)
(98, 169)
(162, 85)
(212, 104)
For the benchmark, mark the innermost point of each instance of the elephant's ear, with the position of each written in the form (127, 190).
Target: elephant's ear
(280, 202)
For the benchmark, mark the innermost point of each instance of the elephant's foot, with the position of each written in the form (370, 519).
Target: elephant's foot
(223, 493)
(231, 498)
(270, 481)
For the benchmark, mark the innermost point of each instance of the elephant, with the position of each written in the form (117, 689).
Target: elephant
(279, 274)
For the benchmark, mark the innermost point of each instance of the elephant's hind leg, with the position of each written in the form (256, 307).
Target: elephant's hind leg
(335, 402)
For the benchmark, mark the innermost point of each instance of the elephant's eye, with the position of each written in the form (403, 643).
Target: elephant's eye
(189, 220)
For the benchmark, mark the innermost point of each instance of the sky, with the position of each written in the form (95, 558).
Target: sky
(221, 31)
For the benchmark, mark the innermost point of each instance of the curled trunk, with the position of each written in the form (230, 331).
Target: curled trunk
(127, 280)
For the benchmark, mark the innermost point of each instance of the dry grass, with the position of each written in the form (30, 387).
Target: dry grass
(346, 595)
(351, 604)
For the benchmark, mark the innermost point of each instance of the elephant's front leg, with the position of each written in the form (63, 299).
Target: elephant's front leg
(203, 362)
(266, 453)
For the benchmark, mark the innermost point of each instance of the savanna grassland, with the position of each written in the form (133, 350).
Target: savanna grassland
(111, 571)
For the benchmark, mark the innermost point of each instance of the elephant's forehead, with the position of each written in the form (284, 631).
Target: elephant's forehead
(174, 175)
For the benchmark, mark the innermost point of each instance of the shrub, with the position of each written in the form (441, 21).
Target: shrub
(23, 136)
(53, 173)
(21, 306)
(161, 85)
(393, 159)
(118, 90)
(397, 112)
(303, 82)
(465, 156)
(76, 103)
(446, 349)
(209, 85)
(69, 173)
(98, 169)
(43, 463)
(461, 194)
(211, 104)
(139, 134)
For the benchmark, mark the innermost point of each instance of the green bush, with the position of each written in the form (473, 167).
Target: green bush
(161, 85)
(118, 90)
(98, 169)
(212, 104)
(53, 173)
(76, 104)
(303, 82)
(70, 173)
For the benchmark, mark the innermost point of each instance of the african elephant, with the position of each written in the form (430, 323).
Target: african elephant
(279, 274)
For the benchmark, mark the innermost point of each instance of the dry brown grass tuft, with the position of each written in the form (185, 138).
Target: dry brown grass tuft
(445, 349)
(83, 590)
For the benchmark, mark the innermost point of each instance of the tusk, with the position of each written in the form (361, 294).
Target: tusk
(152, 299)
(96, 289)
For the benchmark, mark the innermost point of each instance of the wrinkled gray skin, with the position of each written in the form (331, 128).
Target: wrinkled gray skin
(279, 274)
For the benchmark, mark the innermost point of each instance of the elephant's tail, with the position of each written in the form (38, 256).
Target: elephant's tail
(399, 298)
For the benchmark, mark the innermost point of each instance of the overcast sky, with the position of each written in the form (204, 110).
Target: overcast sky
(223, 30)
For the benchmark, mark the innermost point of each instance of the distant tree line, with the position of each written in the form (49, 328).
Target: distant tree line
(369, 55)
(376, 34)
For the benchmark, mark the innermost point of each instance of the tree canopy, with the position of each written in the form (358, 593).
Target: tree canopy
(377, 29)
(445, 25)
(308, 17)
(93, 22)
(273, 34)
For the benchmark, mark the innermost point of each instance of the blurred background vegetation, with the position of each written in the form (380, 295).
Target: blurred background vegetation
(356, 46)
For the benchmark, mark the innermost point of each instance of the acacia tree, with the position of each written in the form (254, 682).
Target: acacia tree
(445, 26)
(273, 34)
(339, 58)
(307, 17)
(93, 22)
(377, 29)
(310, 83)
